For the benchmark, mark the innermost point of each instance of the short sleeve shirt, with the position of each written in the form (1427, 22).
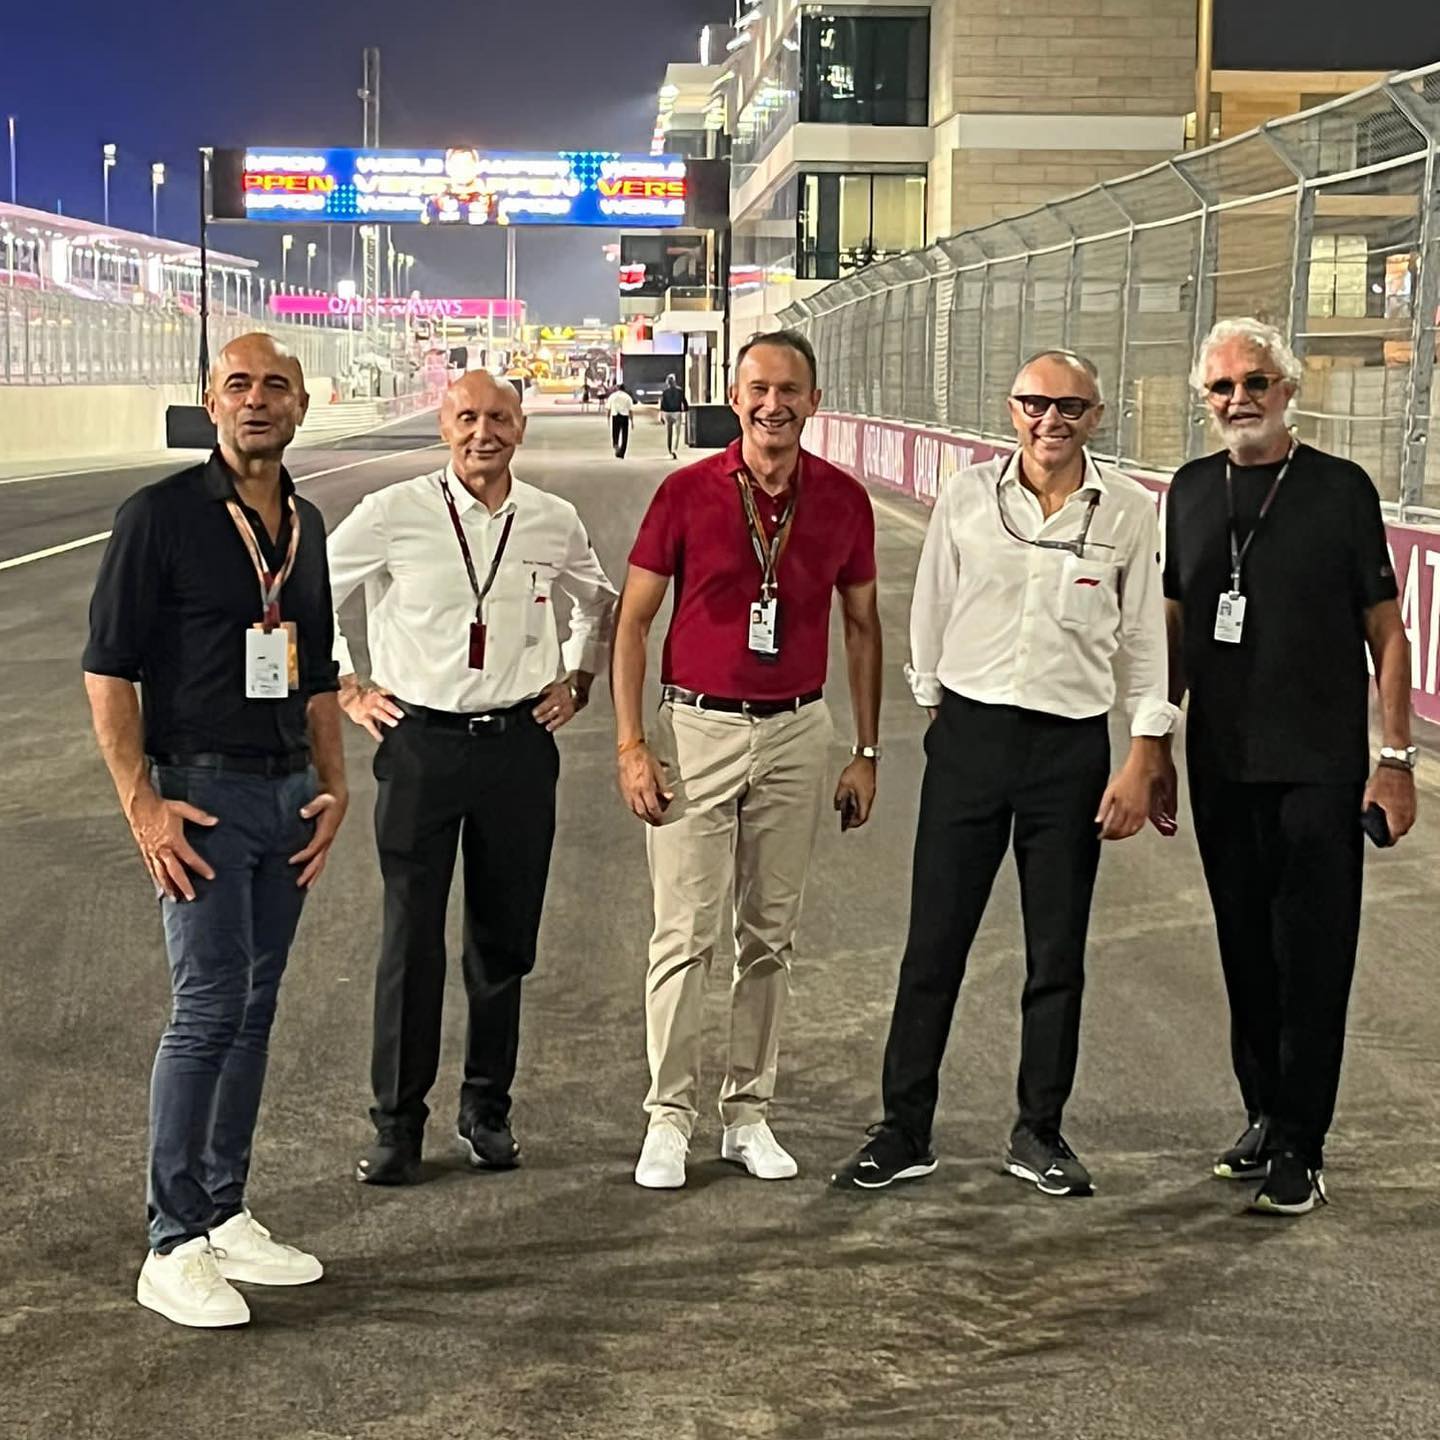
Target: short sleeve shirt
(175, 594)
(1289, 703)
(695, 531)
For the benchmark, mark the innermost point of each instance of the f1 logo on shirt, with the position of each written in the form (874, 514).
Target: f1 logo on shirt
(1086, 580)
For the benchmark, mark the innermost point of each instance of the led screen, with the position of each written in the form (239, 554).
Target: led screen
(449, 187)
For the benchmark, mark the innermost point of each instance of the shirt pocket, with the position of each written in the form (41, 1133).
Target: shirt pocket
(523, 600)
(1088, 596)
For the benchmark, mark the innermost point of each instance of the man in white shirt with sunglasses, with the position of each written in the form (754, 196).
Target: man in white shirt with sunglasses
(1037, 606)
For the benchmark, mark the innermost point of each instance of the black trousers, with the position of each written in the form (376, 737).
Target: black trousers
(493, 796)
(995, 773)
(620, 433)
(1283, 864)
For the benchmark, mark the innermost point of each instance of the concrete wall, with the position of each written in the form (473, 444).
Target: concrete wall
(64, 422)
(82, 422)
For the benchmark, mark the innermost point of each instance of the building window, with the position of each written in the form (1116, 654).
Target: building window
(865, 70)
(849, 221)
(1339, 276)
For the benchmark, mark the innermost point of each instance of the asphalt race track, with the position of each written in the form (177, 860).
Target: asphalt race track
(560, 1301)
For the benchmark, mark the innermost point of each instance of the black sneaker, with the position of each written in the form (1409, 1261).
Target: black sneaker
(1245, 1159)
(394, 1159)
(1051, 1166)
(887, 1156)
(1291, 1187)
(488, 1142)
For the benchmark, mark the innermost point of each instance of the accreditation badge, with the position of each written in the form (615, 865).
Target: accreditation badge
(765, 629)
(267, 663)
(1230, 618)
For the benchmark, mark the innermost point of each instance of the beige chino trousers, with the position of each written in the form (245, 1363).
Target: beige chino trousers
(748, 794)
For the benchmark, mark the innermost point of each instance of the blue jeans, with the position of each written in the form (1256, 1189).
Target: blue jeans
(227, 951)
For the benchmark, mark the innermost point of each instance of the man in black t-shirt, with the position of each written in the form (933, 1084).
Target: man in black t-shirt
(214, 598)
(1277, 579)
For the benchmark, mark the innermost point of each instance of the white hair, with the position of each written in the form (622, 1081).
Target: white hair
(1255, 332)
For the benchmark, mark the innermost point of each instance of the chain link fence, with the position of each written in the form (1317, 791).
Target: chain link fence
(48, 337)
(1326, 224)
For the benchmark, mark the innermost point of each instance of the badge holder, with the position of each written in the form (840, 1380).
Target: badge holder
(1230, 618)
(765, 629)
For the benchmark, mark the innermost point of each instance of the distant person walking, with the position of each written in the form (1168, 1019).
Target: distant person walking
(620, 406)
(673, 406)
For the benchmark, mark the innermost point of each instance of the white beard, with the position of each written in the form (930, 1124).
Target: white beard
(1243, 440)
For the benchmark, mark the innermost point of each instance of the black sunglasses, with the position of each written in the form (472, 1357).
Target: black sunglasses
(1254, 385)
(1071, 407)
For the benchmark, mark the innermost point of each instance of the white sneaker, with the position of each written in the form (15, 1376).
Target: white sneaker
(186, 1286)
(662, 1159)
(757, 1149)
(245, 1252)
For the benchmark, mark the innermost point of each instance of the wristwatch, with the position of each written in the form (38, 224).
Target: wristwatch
(866, 752)
(1399, 759)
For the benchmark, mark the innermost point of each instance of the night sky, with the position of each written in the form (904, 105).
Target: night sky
(160, 79)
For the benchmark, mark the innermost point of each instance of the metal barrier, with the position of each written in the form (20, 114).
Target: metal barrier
(48, 337)
(1326, 224)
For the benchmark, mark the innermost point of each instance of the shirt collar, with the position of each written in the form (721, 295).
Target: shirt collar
(1091, 480)
(464, 500)
(217, 479)
(734, 464)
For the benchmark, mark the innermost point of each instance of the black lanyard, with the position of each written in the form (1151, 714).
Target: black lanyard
(480, 591)
(1238, 551)
(767, 555)
(1075, 547)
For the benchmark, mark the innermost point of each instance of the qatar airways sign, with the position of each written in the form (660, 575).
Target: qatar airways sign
(403, 307)
(459, 186)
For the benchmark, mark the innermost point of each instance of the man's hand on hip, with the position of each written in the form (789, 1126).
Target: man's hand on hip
(560, 703)
(330, 810)
(369, 706)
(159, 829)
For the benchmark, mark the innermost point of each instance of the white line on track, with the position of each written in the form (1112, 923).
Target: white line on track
(911, 521)
(299, 480)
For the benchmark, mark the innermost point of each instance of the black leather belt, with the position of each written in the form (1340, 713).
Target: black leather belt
(483, 722)
(291, 764)
(678, 695)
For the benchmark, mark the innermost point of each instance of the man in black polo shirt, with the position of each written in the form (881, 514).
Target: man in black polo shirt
(214, 597)
(1277, 578)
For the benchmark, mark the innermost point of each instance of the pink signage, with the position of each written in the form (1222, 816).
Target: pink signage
(914, 462)
(408, 307)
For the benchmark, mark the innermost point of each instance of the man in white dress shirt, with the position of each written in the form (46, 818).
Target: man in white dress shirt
(468, 684)
(620, 407)
(1037, 605)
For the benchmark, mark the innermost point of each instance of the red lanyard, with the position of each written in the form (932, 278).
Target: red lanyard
(271, 581)
(480, 591)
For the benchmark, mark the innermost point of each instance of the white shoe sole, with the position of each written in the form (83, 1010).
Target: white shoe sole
(151, 1299)
(239, 1273)
(911, 1172)
(739, 1157)
(655, 1182)
(1024, 1172)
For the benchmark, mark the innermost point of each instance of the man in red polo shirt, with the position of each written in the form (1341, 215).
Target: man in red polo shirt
(732, 782)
